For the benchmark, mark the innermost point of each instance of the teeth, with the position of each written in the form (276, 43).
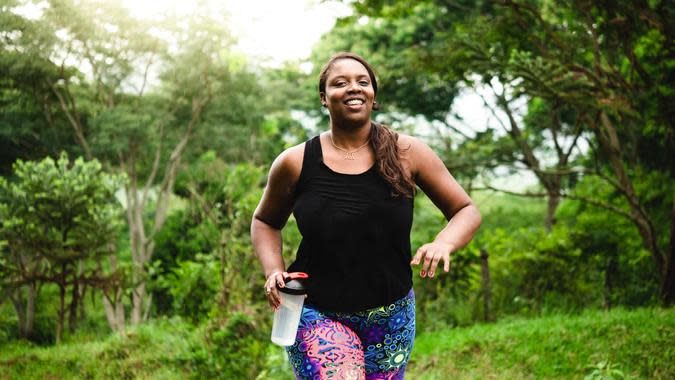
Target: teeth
(355, 101)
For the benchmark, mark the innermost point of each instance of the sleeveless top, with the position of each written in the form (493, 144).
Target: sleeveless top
(355, 236)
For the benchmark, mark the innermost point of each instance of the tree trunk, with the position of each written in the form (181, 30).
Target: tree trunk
(62, 304)
(114, 312)
(668, 283)
(143, 245)
(72, 308)
(30, 310)
(112, 302)
(610, 274)
(553, 202)
(80, 307)
(608, 138)
(16, 296)
(138, 301)
(487, 285)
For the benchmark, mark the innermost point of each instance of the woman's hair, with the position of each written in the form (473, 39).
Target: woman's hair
(382, 139)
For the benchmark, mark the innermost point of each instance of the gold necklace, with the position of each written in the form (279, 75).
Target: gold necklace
(349, 155)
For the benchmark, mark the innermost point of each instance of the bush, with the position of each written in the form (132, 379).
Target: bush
(237, 349)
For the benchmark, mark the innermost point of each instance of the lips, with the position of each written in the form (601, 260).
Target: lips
(355, 103)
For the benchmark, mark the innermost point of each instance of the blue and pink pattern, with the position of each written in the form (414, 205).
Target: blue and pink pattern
(367, 345)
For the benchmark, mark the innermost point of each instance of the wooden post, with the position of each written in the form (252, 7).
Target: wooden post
(487, 287)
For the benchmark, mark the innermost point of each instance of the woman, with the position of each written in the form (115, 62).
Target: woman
(351, 191)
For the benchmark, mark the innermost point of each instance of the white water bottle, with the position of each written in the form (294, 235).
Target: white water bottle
(287, 316)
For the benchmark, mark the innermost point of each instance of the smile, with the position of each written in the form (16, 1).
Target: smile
(354, 102)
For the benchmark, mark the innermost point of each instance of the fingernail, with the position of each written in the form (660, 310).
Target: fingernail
(431, 274)
(423, 273)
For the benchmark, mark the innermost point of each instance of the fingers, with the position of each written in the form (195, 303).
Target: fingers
(273, 299)
(418, 255)
(430, 255)
(280, 279)
(434, 263)
(273, 296)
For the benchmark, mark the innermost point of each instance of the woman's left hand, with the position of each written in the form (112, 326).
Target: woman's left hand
(430, 254)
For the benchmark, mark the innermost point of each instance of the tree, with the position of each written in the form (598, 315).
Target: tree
(59, 220)
(594, 66)
(141, 96)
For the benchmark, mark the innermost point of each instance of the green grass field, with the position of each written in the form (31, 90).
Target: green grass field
(637, 344)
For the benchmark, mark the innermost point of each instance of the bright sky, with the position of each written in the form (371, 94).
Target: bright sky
(270, 31)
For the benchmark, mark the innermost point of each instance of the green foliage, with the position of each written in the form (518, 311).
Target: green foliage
(193, 286)
(206, 248)
(58, 210)
(59, 220)
(234, 350)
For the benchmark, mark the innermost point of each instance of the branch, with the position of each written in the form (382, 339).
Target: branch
(155, 165)
(455, 129)
(594, 202)
(578, 130)
(530, 159)
(171, 170)
(145, 74)
(75, 123)
(97, 75)
(555, 125)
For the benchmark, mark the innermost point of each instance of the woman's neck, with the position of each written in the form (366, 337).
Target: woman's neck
(350, 138)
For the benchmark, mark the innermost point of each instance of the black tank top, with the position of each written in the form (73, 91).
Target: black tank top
(355, 236)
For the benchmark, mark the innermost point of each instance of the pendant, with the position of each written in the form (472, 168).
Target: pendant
(350, 156)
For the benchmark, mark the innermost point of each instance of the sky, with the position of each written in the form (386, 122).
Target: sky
(270, 31)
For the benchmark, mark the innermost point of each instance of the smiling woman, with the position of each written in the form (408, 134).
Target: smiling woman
(351, 190)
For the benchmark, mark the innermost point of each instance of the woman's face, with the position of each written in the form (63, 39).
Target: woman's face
(349, 92)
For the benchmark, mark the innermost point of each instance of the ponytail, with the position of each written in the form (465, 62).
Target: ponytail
(387, 158)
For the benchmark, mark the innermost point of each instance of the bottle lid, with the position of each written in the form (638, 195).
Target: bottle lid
(294, 283)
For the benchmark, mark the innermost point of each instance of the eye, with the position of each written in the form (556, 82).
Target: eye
(364, 82)
(340, 83)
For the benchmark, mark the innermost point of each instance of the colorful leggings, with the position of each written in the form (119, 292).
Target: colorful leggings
(366, 345)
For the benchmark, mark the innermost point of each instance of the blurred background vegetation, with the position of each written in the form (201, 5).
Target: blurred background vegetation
(133, 153)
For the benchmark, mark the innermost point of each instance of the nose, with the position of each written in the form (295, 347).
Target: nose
(354, 87)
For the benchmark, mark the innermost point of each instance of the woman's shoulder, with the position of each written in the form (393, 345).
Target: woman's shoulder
(406, 141)
(289, 162)
(410, 146)
(414, 152)
(413, 144)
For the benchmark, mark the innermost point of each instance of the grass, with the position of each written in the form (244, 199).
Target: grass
(631, 344)
(153, 351)
(638, 344)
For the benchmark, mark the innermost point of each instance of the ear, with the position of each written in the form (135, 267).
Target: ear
(322, 96)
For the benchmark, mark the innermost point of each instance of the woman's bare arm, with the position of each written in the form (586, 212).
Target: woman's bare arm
(271, 215)
(431, 175)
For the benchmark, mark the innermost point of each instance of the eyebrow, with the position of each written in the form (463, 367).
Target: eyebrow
(359, 77)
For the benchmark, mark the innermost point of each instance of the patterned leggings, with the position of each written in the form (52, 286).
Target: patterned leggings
(366, 345)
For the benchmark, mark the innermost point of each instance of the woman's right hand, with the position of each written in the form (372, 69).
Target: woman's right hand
(274, 279)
